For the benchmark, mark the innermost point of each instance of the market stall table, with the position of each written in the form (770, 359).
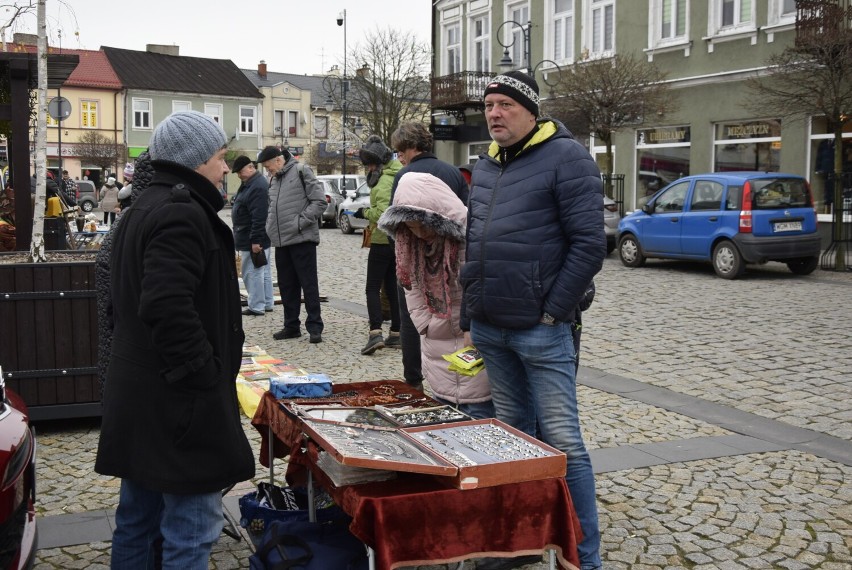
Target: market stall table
(419, 519)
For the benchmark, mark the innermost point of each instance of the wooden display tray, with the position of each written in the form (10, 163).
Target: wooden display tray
(549, 463)
(337, 438)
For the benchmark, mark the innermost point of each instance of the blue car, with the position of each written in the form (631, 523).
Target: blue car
(728, 218)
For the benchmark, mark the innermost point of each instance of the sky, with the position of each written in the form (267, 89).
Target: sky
(292, 36)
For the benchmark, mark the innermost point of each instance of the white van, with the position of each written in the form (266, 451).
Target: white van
(336, 181)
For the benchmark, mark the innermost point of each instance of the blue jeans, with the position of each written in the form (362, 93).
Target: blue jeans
(258, 282)
(533, 377)
(188, 524)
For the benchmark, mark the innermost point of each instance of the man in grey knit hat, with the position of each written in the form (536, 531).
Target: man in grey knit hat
(171, 423)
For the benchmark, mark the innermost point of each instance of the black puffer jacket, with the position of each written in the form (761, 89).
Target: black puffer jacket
(535, 232)
(171, 420)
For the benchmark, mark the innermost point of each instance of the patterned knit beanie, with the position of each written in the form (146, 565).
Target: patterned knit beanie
(517, 85)
(188, 138)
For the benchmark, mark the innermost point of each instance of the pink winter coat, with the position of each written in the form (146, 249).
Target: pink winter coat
(426, 199)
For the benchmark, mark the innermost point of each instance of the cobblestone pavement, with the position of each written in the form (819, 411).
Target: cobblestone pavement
(772, 344)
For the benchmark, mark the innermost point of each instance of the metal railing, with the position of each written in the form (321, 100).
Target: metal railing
(613, 186)
(459, 90)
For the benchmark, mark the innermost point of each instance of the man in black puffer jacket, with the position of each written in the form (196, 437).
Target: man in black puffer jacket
(171, 426)
(535, 241)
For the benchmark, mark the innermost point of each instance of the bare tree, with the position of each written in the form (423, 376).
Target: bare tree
(603, 96)
(101, 151)
(37, 242)
(813, 78)
(391, 82)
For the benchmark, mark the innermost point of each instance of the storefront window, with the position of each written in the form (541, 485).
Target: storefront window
(662, 156)
(755, 145)
(821, 173)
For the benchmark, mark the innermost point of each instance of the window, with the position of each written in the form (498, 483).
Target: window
(600, 33)
(247, 120)
(142, 113)
(321, 127)
(481, 56)
(781, 12)
(706, 196)
(514, 35)
(673, 23)
(292, 123)
(181, 106)
(662, 156)
(452, 35)
(563, 30)
(89, 114)
(278, 123)
(753, 145)
(51, 122)
(214, 110)
(673, 199)
(736, 12)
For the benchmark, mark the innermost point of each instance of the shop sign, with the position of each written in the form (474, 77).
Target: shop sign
(750, 130)
(444, 132)
(668, 135)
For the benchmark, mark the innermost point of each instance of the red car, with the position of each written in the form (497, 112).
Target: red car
(18, 536)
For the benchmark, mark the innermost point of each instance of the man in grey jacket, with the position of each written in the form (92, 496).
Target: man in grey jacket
(296, 202)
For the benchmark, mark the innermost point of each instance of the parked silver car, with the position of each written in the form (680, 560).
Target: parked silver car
(87, 195)
(611, 219)
(360, 198)
(332, 198)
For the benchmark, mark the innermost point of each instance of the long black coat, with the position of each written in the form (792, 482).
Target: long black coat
(171, 421)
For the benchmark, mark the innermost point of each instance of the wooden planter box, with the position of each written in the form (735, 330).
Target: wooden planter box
(49, 344)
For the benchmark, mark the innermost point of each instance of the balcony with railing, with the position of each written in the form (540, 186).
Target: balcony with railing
(823, 22)
(459, 91)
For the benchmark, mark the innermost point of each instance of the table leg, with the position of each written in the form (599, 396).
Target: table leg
(269, 441)
(551, 559)
(312, 507)
(371, 558)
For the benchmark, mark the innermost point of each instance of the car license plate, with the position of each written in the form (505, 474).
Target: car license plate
(788, 227)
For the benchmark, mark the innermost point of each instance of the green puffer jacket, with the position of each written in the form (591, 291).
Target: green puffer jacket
(380, 196)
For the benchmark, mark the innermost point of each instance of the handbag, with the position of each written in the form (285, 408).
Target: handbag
(309, 546)
(271, 503)
(368, 234)
(258, 259)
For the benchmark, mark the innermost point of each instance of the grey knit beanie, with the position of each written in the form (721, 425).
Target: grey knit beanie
(188, 138)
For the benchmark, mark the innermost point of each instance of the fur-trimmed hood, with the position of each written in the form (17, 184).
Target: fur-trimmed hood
(423, 198)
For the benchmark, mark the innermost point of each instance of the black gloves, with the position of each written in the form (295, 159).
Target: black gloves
(359, 213)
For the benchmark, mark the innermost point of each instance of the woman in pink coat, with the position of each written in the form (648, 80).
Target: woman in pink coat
(428, 222)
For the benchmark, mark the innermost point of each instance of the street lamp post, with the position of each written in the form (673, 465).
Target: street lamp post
(344, 86)
(506, 62)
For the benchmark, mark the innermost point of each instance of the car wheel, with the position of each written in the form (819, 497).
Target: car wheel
(343, 223)
(629, 251)
(803, 265)
(87, 207)
(727, 261)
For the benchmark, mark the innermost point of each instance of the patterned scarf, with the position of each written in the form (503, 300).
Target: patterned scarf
(432, 266)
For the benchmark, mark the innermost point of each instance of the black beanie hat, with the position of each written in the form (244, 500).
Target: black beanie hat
(375, 151)
(239, 163)
(517, 85)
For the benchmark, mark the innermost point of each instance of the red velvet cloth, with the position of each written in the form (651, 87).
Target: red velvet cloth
(419, 520)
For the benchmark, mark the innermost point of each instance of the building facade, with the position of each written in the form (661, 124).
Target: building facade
(159, 82)
(708, 48)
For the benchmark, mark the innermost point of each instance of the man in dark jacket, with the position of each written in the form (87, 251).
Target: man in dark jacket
(171, 425)
(248, 214)
(535, 241)
(412, 142)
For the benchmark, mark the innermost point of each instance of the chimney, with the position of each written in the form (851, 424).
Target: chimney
(261, 69)
(163, 49)
(25, 39)
(363, 72)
